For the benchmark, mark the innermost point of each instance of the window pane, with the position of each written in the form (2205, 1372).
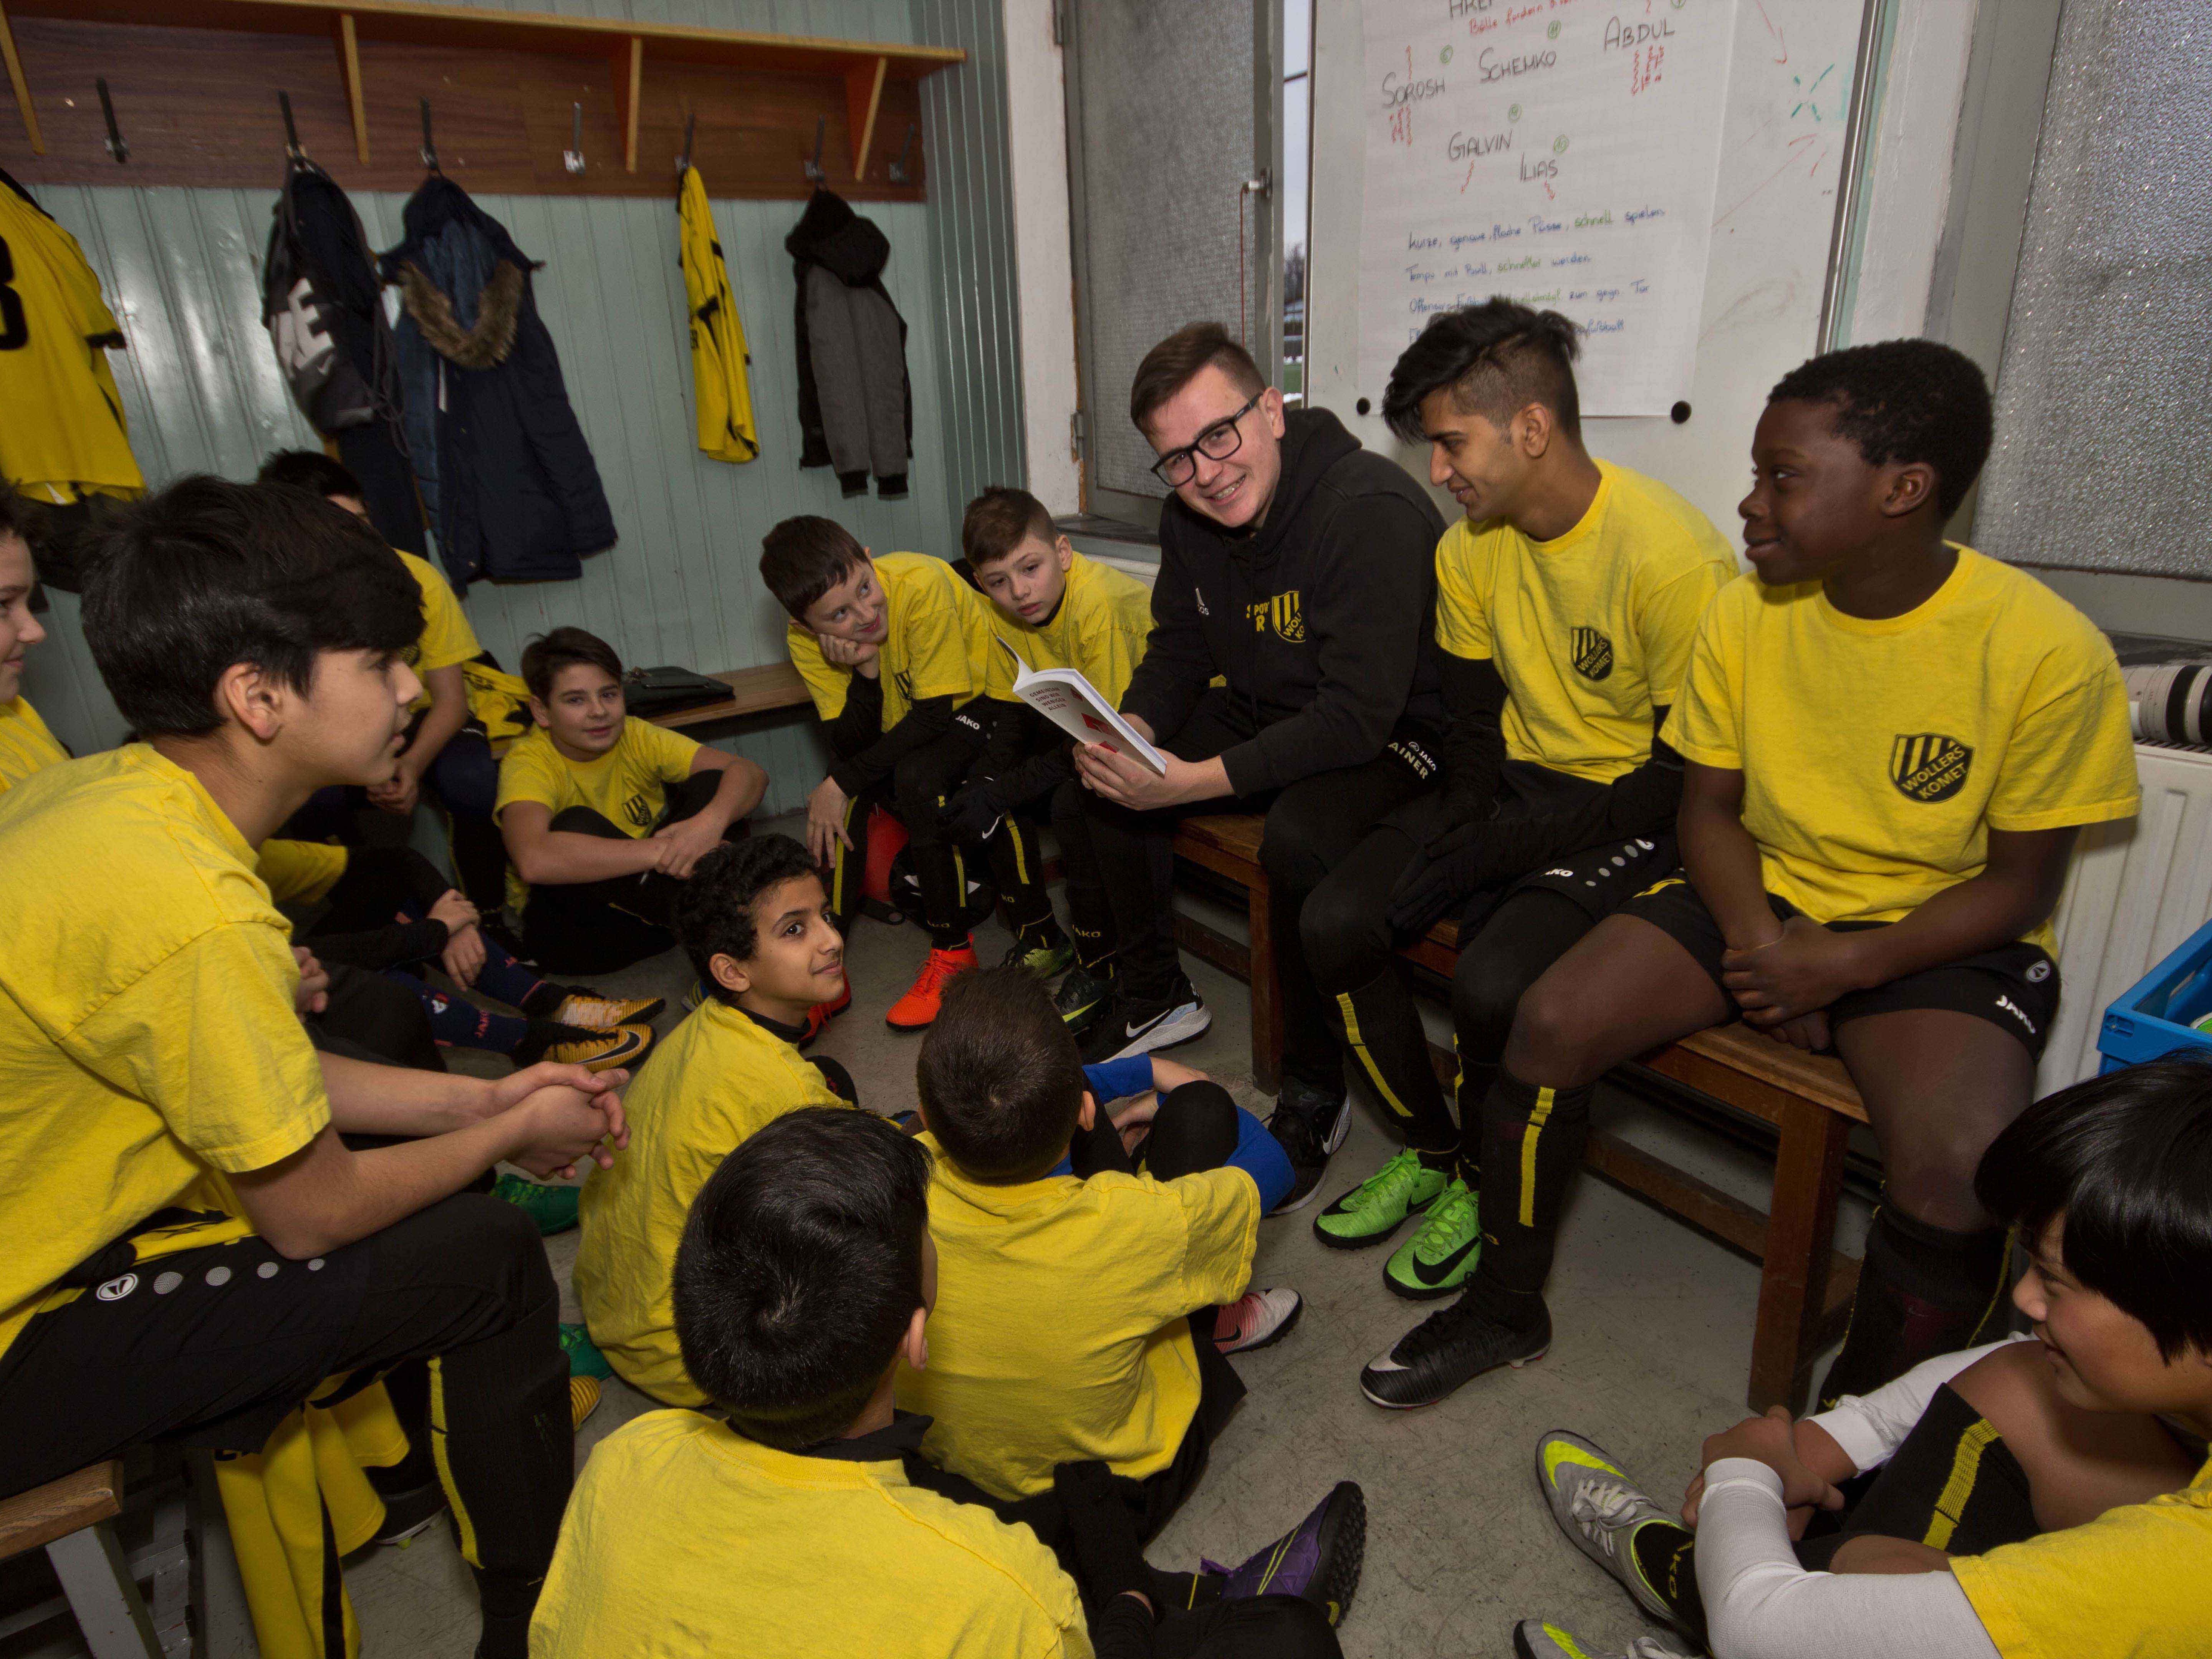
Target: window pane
(1297, 121)
(1298, 37)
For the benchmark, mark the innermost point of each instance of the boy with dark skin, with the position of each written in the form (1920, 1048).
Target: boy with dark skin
(1890, 742)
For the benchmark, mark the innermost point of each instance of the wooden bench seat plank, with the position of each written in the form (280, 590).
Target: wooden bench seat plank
(752, 691)
(38, 1517)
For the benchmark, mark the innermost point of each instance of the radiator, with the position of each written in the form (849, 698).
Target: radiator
(2135, 891)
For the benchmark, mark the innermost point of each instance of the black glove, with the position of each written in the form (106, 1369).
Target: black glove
(1449, 872)
(974, 810)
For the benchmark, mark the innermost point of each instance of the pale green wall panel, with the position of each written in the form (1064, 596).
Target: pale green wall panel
(201, 387)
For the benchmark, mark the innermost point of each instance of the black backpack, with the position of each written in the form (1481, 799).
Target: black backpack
(307, 323)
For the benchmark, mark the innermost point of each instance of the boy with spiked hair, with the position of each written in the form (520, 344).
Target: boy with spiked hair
(1056, 610)
(1567, 597)
(606, 815)
(895, 652)
(755, 924)
(1889, 744)
(2031, 1497)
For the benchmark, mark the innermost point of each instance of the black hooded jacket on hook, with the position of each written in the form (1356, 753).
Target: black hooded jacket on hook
(1322, 620)
(512, 488)
(855, 402)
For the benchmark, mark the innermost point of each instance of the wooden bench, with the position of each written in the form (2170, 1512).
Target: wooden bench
(1805, 1285)
(70, 1518)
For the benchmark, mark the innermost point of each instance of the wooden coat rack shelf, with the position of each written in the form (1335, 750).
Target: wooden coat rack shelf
(194, 85)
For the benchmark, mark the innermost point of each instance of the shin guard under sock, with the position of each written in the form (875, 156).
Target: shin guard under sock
(1923, 1291)
(1382, 1029)
(1532, 1145)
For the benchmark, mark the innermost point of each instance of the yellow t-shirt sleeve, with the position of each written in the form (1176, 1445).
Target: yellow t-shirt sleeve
(2131, 1582)
(1668, 623)
(447, 640)
(936, 644)
(210, 1038)
(1463, 621)
(2072, 758)
(1221, 1216)
(526, 773)
(668, 752)
(825, 682)
(1706, 725)
(299, 871)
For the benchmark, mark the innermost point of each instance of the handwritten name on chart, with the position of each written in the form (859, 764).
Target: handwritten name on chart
(1561, 153)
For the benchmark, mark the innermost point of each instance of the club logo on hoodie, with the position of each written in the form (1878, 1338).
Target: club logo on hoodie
(1282, 614)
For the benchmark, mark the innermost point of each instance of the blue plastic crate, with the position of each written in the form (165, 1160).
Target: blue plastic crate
(2157, 1014)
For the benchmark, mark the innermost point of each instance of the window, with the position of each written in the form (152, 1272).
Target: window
(1296, 192)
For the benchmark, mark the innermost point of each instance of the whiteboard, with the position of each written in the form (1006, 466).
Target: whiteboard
(1560, 156)
(1781, 147)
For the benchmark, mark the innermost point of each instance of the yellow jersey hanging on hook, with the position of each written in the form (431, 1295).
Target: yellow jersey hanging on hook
(719, 358)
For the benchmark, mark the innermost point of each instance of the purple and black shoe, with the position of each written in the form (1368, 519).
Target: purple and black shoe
(1318, 1559)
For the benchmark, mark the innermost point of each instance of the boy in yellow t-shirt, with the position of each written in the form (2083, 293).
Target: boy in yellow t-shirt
(895, 652)
(1567, 597)
(1889, 744)
(447, 747)
(1055, 610)
(194, 1246)
(754, 920)
(1066, 1306)
(2046, 1496)
(605, 814)
(809, 1521)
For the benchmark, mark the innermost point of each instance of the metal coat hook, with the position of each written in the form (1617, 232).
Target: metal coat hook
(898, 169)
(814, 167)
(429, 145)
(684, 161)
(115, 147)
(291, 130)
(573, 157)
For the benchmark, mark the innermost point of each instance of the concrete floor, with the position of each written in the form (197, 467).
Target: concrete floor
(1654, 1342)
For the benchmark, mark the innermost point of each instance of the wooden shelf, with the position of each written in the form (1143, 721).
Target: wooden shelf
(690, 58)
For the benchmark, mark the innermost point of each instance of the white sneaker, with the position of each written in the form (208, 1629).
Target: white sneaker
(1256, 1319)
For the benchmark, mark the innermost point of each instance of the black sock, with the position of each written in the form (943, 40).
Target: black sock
(1179, 1592)
(1041, 934)
(1443, 1163)
(542, 1001)
(508, 1599)
(950, 939)
(1923, 1291)
(1667, 1555)
(1475, 1078)
(1532, 1145)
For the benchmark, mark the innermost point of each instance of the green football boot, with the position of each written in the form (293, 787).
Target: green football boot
(585, 1359)
(1044, 958)
(1437, 1260)
(552, 1207)
(1539, 1638)
(1379, 1206)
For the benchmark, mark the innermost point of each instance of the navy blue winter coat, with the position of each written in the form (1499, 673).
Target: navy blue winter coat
(509, 482)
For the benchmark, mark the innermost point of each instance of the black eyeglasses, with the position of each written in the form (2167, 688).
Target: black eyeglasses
(1218, 442)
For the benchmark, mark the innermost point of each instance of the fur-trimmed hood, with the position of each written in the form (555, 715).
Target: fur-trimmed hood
(498, 308)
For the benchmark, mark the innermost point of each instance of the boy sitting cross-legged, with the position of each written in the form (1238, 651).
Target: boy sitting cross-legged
(810, 1522)
(1065, 1305)
(755, 922)
(2029, 1499)
(605, 814)
(1889, 743)
(894, 651)
(1056, 609)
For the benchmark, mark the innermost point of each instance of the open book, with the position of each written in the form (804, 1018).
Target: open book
(1070, 702)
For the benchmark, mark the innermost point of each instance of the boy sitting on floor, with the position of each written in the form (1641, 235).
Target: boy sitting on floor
(1889, 744)
(809, 1523)
(2034, 1498)
(893, 651)
(605, 814)
(1063, 1331)
(754, 920)
(1055, 610)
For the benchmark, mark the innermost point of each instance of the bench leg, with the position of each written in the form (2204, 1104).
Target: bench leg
(1267, 1000)
(110, 1613)
(1801, 1231)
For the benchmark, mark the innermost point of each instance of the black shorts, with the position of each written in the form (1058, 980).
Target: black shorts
(2014, 986)
(1598, 879)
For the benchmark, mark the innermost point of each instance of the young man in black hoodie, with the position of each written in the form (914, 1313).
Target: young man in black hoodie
(1298, 568)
